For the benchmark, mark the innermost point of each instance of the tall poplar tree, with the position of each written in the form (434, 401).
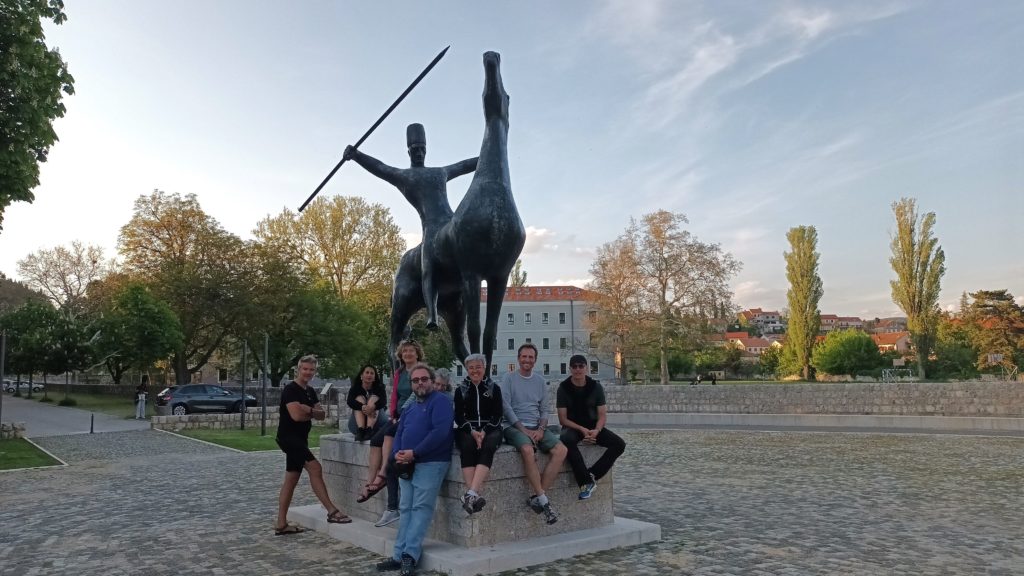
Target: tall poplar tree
(919, 263)
(805, 291)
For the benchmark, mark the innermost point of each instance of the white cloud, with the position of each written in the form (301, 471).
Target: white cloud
(539, 240)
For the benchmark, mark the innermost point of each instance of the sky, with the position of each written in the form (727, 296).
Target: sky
(748, 117)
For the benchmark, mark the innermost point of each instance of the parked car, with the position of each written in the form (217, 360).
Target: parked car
(192, 398)
(11, 385)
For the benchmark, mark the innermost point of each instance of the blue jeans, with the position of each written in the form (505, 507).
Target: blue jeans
(418, 498)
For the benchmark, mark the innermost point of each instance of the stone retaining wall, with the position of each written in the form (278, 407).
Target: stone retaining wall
(974, 398)
(223, 421)
(10, 430)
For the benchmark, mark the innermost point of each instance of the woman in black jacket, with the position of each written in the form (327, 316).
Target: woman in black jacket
(366, 398)
(478, 411)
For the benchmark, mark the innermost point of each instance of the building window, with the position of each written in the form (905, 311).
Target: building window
(547, 369)
(511, 343)
(563, 368)
(543, 317)
(546, 343)
(528, 341)
(563, 343)
(593, 316)
(561, 317)
(593, 366)
(458, 370)
(494, 369)
(511, 319)
(527, 317)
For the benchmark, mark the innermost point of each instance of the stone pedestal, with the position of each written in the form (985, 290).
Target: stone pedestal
(506, 518)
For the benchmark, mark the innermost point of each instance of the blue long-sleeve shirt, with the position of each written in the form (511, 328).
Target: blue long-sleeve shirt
(426, 429)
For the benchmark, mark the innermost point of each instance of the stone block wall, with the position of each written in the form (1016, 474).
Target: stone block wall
(506, 518)
(223, 421)
(9, 430)
(974, 398)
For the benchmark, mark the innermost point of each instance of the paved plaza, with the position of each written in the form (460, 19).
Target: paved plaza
(728, 502)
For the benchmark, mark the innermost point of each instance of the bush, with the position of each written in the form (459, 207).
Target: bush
(46, 399)
(67, 402)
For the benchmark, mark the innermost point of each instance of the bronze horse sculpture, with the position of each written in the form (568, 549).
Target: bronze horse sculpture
(481, 242)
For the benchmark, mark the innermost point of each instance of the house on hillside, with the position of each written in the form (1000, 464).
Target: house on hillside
(892, 341)
(768, 321)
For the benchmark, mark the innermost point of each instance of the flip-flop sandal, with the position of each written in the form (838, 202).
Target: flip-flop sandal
(379, 483)
(338, 517)
(289, 529)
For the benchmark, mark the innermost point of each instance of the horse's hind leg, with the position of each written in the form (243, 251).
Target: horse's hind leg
(454, 314)
(495, 296)
(471, 302)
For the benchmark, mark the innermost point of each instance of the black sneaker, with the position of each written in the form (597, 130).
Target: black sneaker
(408, 566)
(388, 565)
(468, 502)
(550, 516)
(479, 503)
(535, 504)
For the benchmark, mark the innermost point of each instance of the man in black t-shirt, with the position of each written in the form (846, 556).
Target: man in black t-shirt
(582, 412)
(299, 406)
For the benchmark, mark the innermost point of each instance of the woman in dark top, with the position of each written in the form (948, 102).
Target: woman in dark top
(366, 399)
(478, 411)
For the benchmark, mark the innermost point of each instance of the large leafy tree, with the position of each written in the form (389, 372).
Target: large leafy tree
(32, 80)
(919, 264)
(190, 262)
(670, 282)
(136, 329)
(29, 337)
(995, 323)
(297, 317)
(805, 291)
(847, 352)
(64, 274)
(955, 353)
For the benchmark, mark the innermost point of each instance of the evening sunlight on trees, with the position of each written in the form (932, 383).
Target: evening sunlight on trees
(805, 291)
(64, 274)
(919, 263)
(657, 284)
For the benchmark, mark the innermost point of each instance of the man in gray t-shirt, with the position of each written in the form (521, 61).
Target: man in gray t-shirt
(525, 405)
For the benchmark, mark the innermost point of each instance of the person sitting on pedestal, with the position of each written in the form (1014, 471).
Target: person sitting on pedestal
(478, 410)
(366, 399)
(581, 412)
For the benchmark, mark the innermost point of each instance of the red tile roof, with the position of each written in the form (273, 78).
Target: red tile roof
(889, 338)
(542, 294)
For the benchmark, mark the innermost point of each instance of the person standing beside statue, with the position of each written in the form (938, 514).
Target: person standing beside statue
(426, 188)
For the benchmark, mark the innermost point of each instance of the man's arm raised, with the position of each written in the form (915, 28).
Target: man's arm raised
(389, 174)
(459, 168)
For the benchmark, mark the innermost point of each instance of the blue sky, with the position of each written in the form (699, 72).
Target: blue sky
(749, 117)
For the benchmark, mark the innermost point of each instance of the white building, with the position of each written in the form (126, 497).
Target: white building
(555, 319)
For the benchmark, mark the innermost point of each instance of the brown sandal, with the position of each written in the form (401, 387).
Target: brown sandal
(338, 517)
(371, 489)
(289, 529)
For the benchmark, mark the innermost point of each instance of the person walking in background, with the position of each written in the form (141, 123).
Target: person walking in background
(366, 399)
(582, 412)
(299, 407)
(140, 398)
(421, 455)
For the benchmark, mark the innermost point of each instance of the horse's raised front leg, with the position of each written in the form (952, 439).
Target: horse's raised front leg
(471, 301)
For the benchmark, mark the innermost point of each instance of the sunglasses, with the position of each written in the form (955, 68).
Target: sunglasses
(420, 380)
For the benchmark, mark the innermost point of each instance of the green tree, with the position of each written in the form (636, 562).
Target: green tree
(29, 337)
(995, 323)
(518, 276)
(805, 291)
(32, 79)
(847, 352)
(919, 263)
(768, 362)
(13, 294)
(136, 330)
(64, 274)
(955, 354)
(190, 262)
(678, 283)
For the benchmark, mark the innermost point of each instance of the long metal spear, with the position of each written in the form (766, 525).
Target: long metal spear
(377, 123)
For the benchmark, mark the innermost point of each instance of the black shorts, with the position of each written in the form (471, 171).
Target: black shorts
(296, 453)
(388, 429)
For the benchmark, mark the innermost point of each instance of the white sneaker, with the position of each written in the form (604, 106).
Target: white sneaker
(387, 517)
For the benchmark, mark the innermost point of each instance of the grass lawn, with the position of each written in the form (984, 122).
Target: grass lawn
(19, 453)
(120, 406)
(250, 440)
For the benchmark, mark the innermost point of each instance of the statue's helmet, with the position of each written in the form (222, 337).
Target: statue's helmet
(415, 134)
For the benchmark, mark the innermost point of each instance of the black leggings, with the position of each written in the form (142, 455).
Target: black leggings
(472, 456)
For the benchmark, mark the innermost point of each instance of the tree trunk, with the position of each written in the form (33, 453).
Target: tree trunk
(663, 352)
(181, 373)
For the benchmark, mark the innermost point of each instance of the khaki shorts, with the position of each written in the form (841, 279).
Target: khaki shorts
(516, 438)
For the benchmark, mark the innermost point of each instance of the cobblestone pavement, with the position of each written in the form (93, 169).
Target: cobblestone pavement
(729, 502)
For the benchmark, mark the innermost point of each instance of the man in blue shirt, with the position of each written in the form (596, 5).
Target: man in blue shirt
(421, 454)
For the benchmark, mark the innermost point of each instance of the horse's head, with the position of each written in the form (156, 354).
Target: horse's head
(495, 97)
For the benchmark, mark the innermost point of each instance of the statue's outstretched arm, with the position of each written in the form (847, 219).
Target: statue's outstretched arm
(460, 168)
(376, 167)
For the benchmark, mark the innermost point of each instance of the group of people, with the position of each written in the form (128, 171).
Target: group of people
(411, 438)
